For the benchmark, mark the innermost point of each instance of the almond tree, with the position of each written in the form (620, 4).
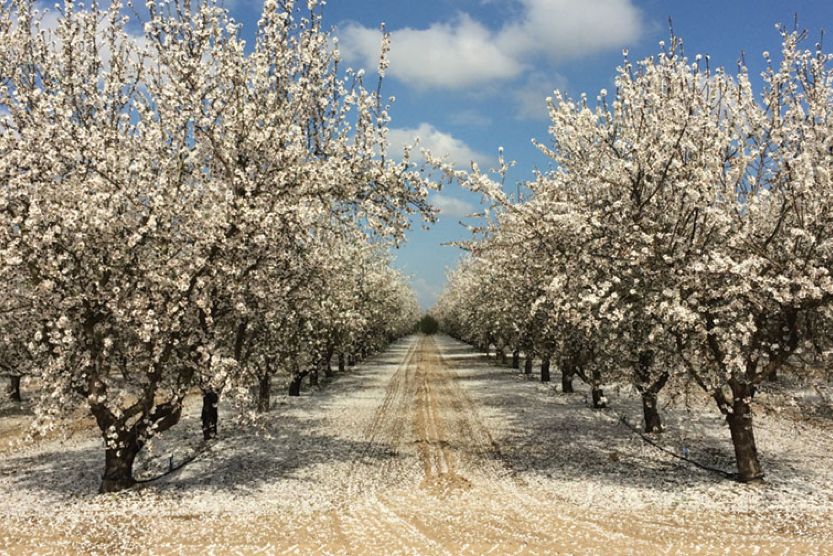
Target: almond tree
(746, 309)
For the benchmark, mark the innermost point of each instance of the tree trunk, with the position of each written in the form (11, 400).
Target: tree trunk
(566, 381)
(528, 366)
(599, 401)
(123, 443)
(328, 366)
(516, 359)
(743, 437)
(649, 386)
(264, 390)
(501, 356)
(14, 388)
(118, 468)
(341, 362)
(545, 370)
(351, 360)
(313, 377)
(653, 423)
(210, 400)
(295, 384)
(598, 396)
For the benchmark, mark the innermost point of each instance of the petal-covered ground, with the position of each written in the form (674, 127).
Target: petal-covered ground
(429, 448)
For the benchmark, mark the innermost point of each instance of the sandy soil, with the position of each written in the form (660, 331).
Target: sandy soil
(425, 449)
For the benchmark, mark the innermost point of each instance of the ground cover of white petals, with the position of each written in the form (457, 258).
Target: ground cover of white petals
(429, 448)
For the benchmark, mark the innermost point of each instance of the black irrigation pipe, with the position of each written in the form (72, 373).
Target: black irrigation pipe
(173, 468)
(661, 448)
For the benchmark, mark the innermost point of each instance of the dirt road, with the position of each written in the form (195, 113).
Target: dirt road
(411, 454)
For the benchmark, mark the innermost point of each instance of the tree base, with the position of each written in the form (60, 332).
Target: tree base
(209, 414)
(567, 383)
(118, 469)
(653, 422)
(14, 389)
(545, 370)
(599, 401)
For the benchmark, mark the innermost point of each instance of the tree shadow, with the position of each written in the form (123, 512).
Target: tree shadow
(240, 462)
(558, 435)
(16, 409)
(279, 445)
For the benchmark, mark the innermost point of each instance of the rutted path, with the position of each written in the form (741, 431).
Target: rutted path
(415, 452)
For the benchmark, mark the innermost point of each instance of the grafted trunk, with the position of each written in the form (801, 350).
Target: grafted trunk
(14, 388)
(264, 391)
(118, 467)
(341, 362)
(528, 365)
(567, 380)
(653, 423)
(739, 419)
(210, 400)
(545, 370)
(516, 359)
(295, 384)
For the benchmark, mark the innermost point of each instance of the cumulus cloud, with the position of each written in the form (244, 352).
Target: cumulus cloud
(452, 55)
(463, 53)
(452, 206)
(564, 29)
(439, 143)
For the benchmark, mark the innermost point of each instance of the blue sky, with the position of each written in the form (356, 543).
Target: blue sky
(470, 76)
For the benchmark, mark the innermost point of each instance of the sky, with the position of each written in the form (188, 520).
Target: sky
(470, 76)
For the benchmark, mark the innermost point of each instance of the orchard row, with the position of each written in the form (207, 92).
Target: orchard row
(182, 211)
(685, 231)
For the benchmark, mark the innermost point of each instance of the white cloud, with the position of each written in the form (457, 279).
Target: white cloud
(563, 29)
(439, 143)
(452, 206)
(464, 53)
(452, 55)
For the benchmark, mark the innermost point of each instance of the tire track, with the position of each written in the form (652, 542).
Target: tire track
(470, 438)
(383, 435)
